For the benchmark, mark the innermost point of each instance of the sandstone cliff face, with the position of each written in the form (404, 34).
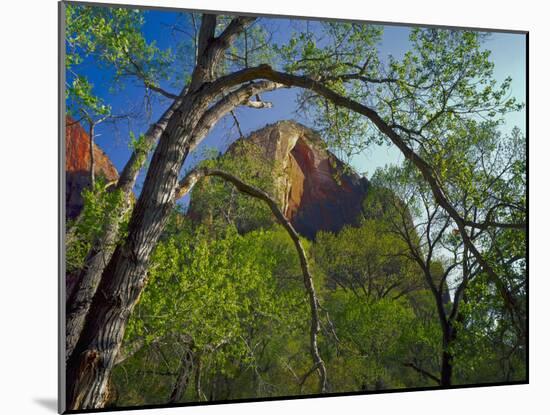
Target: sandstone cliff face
(77, 168)
(315, 191)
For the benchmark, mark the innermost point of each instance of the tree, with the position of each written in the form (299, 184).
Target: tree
(366, 261)
(245, 293)
(426, 234)
(114, 35)
(376, 339)
(91, 109)
(442, 73)
(473, 162)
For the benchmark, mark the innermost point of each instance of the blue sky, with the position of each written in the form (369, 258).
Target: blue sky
(508, 52)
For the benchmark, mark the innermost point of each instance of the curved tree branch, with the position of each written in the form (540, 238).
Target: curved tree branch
(266, 72)
(423, 372)
(228, 103)
(187, 183)
(102, 249)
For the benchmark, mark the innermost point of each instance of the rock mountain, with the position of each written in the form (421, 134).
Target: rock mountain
(315, 190)
(77, 166)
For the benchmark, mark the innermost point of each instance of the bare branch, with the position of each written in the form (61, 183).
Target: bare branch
(423, 372)
(237, 123)
(258, 104)
(158, 89)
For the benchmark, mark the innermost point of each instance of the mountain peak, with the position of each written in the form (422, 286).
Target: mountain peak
(316, 191)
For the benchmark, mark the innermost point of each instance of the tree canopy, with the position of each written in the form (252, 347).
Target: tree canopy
(226, 300)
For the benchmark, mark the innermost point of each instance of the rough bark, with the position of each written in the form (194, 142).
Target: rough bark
(211, 48)
(90, 364)
(184, 375)
(122, 281)
(98, 257)
(103, 248)
(187, 184)
(240, 96)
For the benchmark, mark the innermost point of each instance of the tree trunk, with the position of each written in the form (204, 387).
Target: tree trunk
(184, 375)
(449, 335)
(90, 364)
(446, 368)
(121, 283)
(198, 378)
(92, 157)
(100, 254)
(88, 280)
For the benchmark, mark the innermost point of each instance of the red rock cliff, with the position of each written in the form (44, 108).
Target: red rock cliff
(315, 191)
(77, 167)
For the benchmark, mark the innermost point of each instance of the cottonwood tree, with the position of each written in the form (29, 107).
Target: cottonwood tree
(475, 162)
(426, 231)
(365, 261)
(90, 109)
(114, 37)
(484, 173)
(436, 83)
(234, 287)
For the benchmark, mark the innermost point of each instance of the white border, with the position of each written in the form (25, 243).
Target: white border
(28, 207)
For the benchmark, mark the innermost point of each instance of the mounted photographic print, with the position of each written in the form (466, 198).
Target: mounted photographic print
(276, 207)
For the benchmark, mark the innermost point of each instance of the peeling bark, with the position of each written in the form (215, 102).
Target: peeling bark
(120, 284)
(98, 257)
(184, 375)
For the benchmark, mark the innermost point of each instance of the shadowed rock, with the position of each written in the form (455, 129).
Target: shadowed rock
(77, 151)
(315, 189)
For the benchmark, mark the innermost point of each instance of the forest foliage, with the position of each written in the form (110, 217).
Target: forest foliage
(228, 288)
(430, 289)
